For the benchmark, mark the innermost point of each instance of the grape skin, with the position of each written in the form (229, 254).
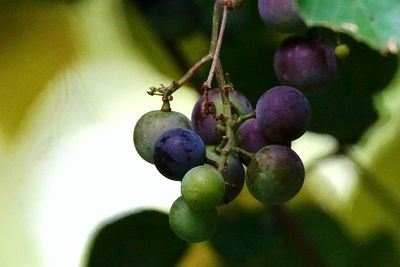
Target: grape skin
(234, 173)
(151, 125)
(283, 114)
(275, 175)
(206, 124)
(177, 151)
(192, 225)
(281, 15)
(306, 63)
(249, 136)
(203, 187)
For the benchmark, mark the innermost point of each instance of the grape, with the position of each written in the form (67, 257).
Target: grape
(151, 125)
(206, 124)
(251, 138)
(281, 15)
(192, 225)
(177, 151)
(306, 63)
(283, 114)
(203, 187)
(275, 175)
(233, 174)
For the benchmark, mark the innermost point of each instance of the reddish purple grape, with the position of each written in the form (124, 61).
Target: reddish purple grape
(306, 63)
(251, 138)
(281, 15)
(234, 174)
(275, 175)
(204, 117)
(177, 151)
(283, 114)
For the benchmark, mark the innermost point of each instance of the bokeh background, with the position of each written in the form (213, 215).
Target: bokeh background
(74, 192)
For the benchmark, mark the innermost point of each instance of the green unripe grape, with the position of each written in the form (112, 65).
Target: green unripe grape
(192, 225)
(151, 125)
(275, 174)
(233, 173)
(342, 51)
(203, 187)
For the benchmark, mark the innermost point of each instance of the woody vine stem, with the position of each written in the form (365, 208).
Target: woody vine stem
(227, 122)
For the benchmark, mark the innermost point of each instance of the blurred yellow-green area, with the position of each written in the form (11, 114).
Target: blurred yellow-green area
(73, 81)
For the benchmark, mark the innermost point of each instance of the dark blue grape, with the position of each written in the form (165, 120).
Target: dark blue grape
(234, 173)
(306, 63)
(275, 175)
(204, 116)
(283, 114)
(177, 151)
(281, 15)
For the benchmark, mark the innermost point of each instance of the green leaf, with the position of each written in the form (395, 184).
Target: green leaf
(377, 23)
(244, 236)
(381, 250)
(36, 43)
(140, 239)
(327, 235)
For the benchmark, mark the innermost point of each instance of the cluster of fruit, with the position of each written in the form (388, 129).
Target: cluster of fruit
(259, 153)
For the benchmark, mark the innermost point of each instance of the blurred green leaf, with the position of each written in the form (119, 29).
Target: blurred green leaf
(380, 250)
(243, 236)
(328, 236)
(36, 43)
(376, 23)
(140, 239)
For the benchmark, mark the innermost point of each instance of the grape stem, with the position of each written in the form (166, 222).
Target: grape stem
(217, 35)
(217, 50)
(175, 85)
(244, 117)
(227, 144)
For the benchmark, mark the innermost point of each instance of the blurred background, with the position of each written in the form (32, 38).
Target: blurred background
(74, 192)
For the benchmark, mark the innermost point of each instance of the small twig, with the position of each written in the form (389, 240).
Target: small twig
(242, 152)
(215, 27)
(217, 49)
(244, 117)
(175, 85)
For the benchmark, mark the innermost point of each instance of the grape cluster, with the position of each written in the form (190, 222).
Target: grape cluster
(216, 152)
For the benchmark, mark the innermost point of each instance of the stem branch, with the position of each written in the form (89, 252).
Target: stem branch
(217, 48)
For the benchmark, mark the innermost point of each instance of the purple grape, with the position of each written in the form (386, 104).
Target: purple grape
(234, 173)
(275, 175)
(205, 124)
(283, 114)
(251, 138)
(281, 15)
(177, 151)
(151, 125)
(306, 63)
